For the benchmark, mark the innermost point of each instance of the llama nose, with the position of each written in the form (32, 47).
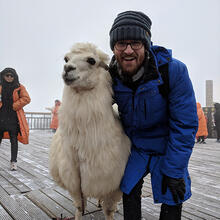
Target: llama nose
(68, 68)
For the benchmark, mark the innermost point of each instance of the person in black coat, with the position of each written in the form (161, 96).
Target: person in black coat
(10, 127)
(217, 120)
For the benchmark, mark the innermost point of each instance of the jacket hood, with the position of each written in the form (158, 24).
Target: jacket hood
(13, 72)
(163, 55)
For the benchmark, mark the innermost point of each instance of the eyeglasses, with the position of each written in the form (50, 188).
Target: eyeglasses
(9, 75)
(135, 45)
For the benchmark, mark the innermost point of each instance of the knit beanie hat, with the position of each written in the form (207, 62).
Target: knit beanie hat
(131, 25)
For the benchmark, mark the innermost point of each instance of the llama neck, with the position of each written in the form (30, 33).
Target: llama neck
(87, 104)
(86, 117)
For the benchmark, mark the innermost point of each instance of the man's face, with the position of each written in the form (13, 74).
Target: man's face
(129, 59)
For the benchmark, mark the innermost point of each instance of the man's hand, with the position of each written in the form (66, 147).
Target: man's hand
(176, 186)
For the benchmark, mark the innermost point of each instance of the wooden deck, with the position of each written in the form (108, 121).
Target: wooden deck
(30, 192)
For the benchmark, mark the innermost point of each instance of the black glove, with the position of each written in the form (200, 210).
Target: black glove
(176, 186)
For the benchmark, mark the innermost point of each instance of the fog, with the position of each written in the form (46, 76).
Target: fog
(35, 35)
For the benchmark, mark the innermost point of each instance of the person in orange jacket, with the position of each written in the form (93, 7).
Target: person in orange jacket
(54, 111)
(13, 124)
(202, 132)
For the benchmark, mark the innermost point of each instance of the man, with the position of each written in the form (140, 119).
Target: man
(13, 124)
(157, 108)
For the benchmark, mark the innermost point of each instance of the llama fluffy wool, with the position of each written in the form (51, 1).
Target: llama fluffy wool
(89, 151)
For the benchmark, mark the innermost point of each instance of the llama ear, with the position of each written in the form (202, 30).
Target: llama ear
(104, 65)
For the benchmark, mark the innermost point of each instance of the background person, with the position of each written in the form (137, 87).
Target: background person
(202, 132)
(54, 111)
(217, 120)
(158, 115)
(13, 123)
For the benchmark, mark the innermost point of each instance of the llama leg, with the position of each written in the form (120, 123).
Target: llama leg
(99, 204)
(71, 179)
(110, 204)
(80, 203)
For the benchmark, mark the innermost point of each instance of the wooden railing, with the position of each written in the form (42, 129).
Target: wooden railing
(42, 120)
(38, 120)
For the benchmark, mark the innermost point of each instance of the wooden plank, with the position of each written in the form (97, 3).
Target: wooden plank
(60, 199)
(15, 182)
(4, 215)
(205, 202)
(187, 215)
(40, 177)
(13, 208)
(34, 211)
(206, 191)
(90, 207)
(36, 155)
(34, 167)
(189, 211)
(100, 216)
(33, 173)
(4, 163)
(8, 187)
(197, 211)
(50, 207)
(2, 191)
(148, 208)
(25, 177)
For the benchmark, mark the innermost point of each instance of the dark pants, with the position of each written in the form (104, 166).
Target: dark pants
(218, 132)
(132, 206)
(14, 143)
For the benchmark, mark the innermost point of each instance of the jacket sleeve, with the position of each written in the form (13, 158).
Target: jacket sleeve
(23, 99)
(183, 121)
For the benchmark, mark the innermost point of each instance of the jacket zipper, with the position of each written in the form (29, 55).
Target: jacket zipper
(133, 94)
(145, 109)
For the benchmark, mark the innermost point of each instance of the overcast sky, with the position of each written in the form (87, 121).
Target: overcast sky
(35, 35)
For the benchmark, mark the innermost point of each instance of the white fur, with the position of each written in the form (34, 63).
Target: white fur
(89, 151)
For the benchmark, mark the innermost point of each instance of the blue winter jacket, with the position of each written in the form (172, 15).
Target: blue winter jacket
(156, 125)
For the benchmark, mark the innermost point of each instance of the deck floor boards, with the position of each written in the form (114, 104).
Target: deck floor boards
(31, 193)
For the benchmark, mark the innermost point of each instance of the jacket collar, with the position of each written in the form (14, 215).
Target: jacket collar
(161, 55)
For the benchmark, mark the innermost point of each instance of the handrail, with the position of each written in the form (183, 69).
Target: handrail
(38, 120)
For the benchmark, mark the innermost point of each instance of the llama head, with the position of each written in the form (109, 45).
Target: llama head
(84, 66)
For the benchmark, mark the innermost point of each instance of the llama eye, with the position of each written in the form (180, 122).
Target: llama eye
(91, 60)
(66, 59)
